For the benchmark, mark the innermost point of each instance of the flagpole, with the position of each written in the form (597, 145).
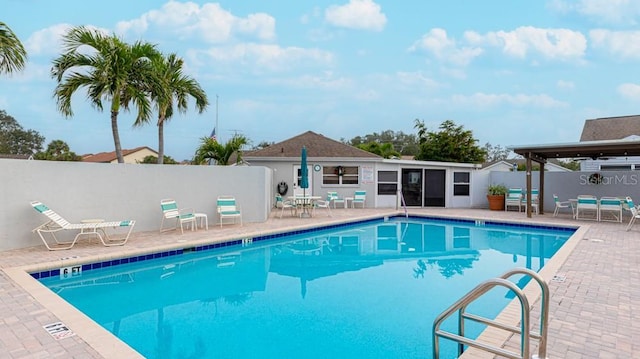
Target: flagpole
(217, 130)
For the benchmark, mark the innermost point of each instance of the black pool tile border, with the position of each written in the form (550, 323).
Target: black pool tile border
(248, 240)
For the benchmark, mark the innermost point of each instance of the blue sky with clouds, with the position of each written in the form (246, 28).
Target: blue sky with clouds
(513, 72)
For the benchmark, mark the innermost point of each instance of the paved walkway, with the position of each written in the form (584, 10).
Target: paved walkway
(590, 313)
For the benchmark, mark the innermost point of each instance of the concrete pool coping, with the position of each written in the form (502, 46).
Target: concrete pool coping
(42, 306)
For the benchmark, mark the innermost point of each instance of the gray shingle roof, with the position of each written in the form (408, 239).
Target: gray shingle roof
(610, 128)
(317, 146)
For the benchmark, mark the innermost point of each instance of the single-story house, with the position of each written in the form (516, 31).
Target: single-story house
(607, 129)
(510, 164)
(135, 155)
(338, 167)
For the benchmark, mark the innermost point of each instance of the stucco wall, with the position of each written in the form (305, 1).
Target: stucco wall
(79, 190)
(571, 184)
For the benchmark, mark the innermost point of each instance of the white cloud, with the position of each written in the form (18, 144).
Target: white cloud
(566, 85)
(357, 14)
(630, 91)
(41, 41)
(622, 44)
(614, 12)
(210, 22)
(482, 100)
(446, 49)
(48, 41)
(269, 57)
(556, 44)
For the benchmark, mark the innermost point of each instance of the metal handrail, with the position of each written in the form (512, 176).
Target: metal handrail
(404, 204)
(524, 330)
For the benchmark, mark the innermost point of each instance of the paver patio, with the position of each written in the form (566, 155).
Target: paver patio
(591, 307)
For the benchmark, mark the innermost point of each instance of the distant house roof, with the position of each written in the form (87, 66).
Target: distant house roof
(610, 128)
(317, 146)
(507, 165)
(107, 157)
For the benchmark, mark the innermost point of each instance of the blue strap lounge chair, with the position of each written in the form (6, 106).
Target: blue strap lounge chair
(227, 208)
(513, 198)
(586, 206)
(170, 211)
(359, 198)
(91, 228)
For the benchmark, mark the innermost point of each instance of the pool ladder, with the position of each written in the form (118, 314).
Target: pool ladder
(524, 329)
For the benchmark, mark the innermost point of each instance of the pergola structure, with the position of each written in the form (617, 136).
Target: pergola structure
(588, 149)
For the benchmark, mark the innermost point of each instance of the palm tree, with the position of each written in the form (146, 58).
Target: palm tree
(174, 85)
(113, 70)
(211, 149)
(12, 54)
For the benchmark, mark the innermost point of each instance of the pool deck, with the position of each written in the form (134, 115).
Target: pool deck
(593, 297)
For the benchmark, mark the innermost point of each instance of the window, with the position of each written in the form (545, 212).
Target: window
(461, 183)
(615, 167)
(387, 182)
(340, 175)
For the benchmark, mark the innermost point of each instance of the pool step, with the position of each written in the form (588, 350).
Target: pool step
(524, 330)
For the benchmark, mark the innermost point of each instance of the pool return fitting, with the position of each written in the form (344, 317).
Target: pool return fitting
(524, 330)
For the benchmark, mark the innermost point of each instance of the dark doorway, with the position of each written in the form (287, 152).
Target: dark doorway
(412, 186)
(434, 188)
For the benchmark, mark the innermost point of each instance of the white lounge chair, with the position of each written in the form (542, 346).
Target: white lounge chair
(283, 204)
(587, 204)
(335, 198)
(560, 205)
(92, 228)
(359, 197)
(323, 204)
(635, 214)
(513, 198)
(170, 211)
(610, 206)
(227, 208)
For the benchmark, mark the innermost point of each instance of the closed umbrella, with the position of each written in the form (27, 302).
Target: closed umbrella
(304, 181)
(304, 173)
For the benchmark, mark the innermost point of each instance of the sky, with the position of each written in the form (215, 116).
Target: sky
(512, 72)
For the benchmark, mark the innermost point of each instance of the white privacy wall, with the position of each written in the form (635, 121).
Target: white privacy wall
(79, 191)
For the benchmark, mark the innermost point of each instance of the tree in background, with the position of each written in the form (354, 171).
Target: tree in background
(211, 149)
(109, 69)
(14, 140)
(173, 85)
(570, 164)
(451, 144)
(495, 153)
(57, 150)
(384, 150)
(151, 159)
(12, 54)
(261, 145)
(403, 143)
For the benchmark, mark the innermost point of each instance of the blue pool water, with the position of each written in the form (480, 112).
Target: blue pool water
(370, 290)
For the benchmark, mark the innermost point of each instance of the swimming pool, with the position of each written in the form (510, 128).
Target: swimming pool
(367, 290)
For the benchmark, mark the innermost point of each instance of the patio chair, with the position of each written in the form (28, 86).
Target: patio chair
(283, 204)
(91, 228)
(359, 197)
(587, 204)
(227, 208)
(335, 198)
(323, 204)
(513, 198)
(534, 200)
(635, 213)
(170, 211)
(560, 205)
(611, 206)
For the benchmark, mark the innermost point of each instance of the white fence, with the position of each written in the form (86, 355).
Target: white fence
(78, 191)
